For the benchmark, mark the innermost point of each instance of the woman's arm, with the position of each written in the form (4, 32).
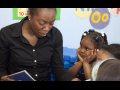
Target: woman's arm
(57, 66)
(4, 54)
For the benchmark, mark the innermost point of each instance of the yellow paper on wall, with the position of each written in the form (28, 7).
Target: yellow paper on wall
(83, 12)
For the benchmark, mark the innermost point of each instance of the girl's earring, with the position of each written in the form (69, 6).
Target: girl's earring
(97, 50)
(29, 19)
(84, 34)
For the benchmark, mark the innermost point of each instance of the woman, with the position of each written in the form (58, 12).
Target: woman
(31, 44)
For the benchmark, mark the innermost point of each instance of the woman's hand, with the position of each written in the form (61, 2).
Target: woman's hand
(4, 78)
(91, 55)
(78, 54)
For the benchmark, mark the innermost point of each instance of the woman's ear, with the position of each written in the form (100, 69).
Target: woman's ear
(28, 13)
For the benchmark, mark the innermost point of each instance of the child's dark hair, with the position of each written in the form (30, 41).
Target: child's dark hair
(34, 11)
(100, 39)
(113, 49)
(109, 71)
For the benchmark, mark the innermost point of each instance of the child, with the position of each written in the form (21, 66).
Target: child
(107, 70)
(91, 41)
(109, 51)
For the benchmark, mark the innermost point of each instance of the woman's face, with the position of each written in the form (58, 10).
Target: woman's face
(86, 45)
(42, 23)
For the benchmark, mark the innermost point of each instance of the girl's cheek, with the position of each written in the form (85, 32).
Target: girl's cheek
(89, 52)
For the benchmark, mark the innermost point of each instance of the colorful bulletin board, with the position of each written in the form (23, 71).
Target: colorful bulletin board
(114, 11)
(72, 22)
(83, 12)
(99, 18)
(20, 13)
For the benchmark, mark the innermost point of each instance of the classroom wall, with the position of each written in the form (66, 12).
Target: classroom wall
(71, 26)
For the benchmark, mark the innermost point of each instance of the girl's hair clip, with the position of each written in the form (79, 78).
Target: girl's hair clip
(84, 34)
(92, 30)
(103, 34)
(96, 39)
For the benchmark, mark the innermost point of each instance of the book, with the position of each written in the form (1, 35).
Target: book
(21, 76)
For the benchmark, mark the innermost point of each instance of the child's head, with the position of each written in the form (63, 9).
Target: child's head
(109, 51)
(108, 70)
(92, 40)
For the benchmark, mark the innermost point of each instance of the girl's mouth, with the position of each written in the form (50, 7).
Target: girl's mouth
(83, 56)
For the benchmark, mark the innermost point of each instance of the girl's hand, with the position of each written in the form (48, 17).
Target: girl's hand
(91, 55)
(78, 54)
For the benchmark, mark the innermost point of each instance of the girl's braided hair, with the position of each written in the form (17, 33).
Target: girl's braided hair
(100, 39)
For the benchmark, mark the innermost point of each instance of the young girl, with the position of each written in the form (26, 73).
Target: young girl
(91, 42)
(109, 51)
(107, 70)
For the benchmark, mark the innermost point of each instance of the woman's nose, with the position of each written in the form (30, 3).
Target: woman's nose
(47, 27)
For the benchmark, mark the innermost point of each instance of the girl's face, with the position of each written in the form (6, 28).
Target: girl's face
(86, 45)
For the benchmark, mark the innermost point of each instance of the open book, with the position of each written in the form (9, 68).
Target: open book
(21, 76)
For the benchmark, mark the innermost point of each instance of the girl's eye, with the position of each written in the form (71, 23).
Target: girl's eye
(87, 49)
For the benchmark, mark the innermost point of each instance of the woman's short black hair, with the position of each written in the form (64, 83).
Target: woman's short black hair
(34, 11)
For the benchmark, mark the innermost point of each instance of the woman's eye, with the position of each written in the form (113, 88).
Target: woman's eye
(41, 24)
(52, 23)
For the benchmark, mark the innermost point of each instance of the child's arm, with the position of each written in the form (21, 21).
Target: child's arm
(74, 70)
(87, 70)
(86, 64)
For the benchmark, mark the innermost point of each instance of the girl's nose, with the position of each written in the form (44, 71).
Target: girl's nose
(82, 50)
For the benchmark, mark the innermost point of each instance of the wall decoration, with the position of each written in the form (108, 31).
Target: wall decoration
(100, 18)
(114, 11)
(20, 13)
(83, 12)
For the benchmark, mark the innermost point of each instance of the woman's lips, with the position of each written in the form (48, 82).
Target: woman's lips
(43, 34)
